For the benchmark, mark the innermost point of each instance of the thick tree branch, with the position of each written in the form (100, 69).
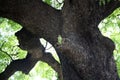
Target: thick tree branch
(32, 44)
(36, 51)
(24, 65)
(68, 70)
(83, 43)
(34, 13)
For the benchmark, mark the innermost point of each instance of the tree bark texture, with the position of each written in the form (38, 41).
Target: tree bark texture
(85, 54)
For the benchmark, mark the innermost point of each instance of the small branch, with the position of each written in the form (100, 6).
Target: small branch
(46, 45)
(108, 8)
(49, 48)
(24, 65)
(6, 54)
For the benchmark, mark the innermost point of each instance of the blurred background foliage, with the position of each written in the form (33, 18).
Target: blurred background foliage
(110, 27)
(57, 4)
(9, 50)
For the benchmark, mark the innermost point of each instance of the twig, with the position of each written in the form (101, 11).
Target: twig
(47, 45)
(59, 2)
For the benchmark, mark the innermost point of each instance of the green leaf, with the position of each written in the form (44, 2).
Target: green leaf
(59, 39)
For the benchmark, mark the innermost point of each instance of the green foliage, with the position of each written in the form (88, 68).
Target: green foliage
(103, 2)
(44, 71)
(48, 2)
(59, 39)
(41, 71)
(8, 43)
(19, 76)
(57, 4)
(110, 27)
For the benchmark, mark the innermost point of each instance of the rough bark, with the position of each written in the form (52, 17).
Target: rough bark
(83, 44)
(85, 53)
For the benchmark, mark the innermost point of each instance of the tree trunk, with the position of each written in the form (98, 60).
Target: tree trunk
(85, 54)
